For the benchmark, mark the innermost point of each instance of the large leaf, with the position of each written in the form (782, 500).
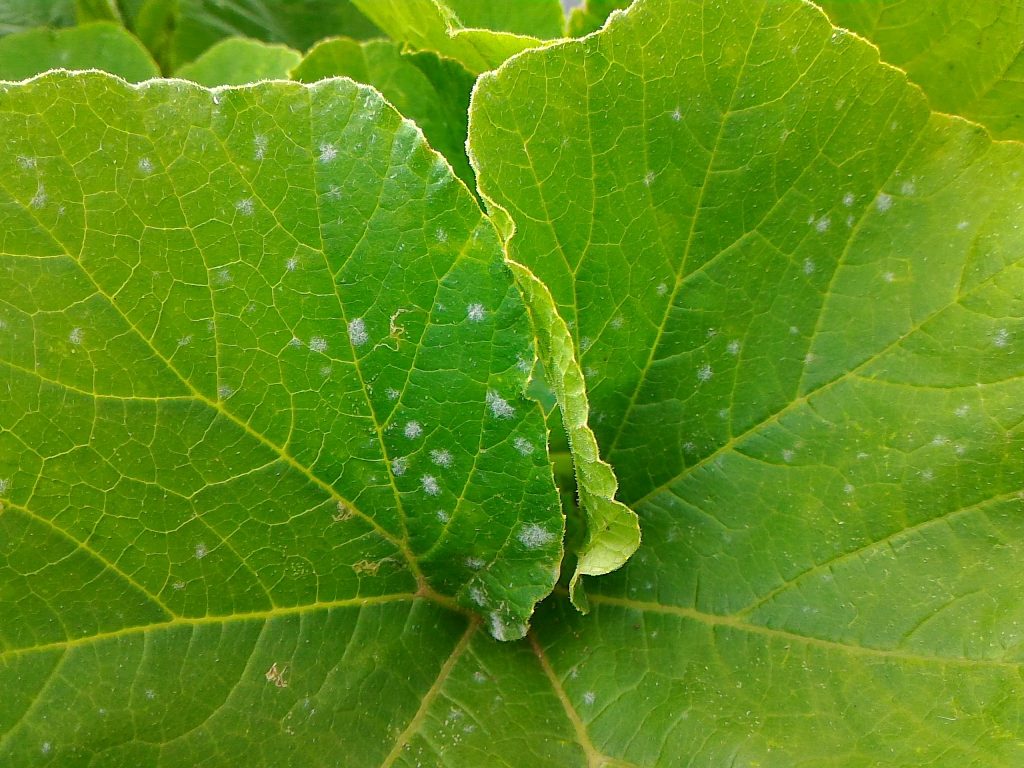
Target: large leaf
(262, 364)
(179, 30)
(241, 60)
(967, 56)
(797, 296)
(430, 90)
(434, 25)
(101, 45)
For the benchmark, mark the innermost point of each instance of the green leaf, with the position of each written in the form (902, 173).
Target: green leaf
(179, 30)
(263, 364)
(97, 10)
(796, 296)
(612, 532)
(592, 14)
(543, 19)
(22, 15)
(433, 25)
(100, 45)
(967, 56)
(430, 90)
(240, 60)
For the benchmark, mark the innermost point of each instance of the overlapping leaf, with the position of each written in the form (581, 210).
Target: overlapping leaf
(241, 60)
(967, 56)
(100, 45)
(796, 295)
(263, 424)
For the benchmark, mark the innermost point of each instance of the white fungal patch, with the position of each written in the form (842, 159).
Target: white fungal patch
(502, 630)
(76, 336)
(318, 344)
(787, 455)
(677, 114)
(962, 411)
(292, 264)
(295, 342)
(150, 694)
(39, 199)
(245, 206)
(524, 446)
(733, 347)
(809, 267)
(145, 166)
(532, 536)
(398, 466)
(705, 372)
(617, 322)
(328, 152)
(259, 146)
(430, 485)
(475, 563)
(357, 332)
(823, 224)
(793, 330)
(849, 199)
(1002, 338)
(963, 225)
(662, 289)
(499, 406)
(475, 312)
(589, 698)
(927, 475)
(478, 596)
(441, 457)
(848, 489)
(413, 430)
(441, 235)
(908, 188)
(184, 341)
(4, 484)
(223, 276)
(940, 440)
(392, 393)
(649, 178)
(479, 677)
(443, 516)
(889, 277)
(201, 551)
(883, 202)
(46, 748)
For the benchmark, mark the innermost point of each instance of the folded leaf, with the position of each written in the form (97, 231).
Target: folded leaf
(429, 90)
(967, 56)
(435, 25)
(796, 294)
(100, 45)
(240, 60)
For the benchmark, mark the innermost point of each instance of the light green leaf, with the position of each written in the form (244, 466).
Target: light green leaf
(967, 56)
(591, 15)
(240, 60)
(97, 10)
(179, 30)
(612, 532)
(543, 19)
(433, 25)
(22, 15)
(430, 90)
(262, 361)
(100, 45)
(797, 299)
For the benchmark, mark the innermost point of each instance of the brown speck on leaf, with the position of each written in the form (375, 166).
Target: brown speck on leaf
(277, 676)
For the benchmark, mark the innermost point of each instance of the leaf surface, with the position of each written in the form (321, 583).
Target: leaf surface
(23, 15)
(240, 60)
(591, 15)
(430, 90)
(100, 45)
(434, 25)
(796, 296)
(967, 56)
(263, 444)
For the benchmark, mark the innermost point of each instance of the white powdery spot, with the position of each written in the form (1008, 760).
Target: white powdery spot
(443, 516)
(849, 199)
(793, 330)
(963, 225)
(479, 677)
(413, 430)
(848, 489)
(475, 563)
(908, 188)
(705, 372)
(328, 152)
(499, 406)
(940, 440)
(318, 344)
(503, 630)
(4, 483)
(441, 457)
(1002, 338)
(76, 336)
(46, 748)
(441, 235)
(295, 342)
(475, 312)
(649, 178)
(809, 267)
(398, 466)
(883, 202)
(39, 199)
(357, 332)
(184, 341)
(927, 475)
(962, 410)
(617, 322)
(532, 536)
(823, 224)
(245, 206)
(677, 114)
(201, 551)
(292, 264)
(259, 147)
(662, 289)
(430, 485)
(889, 277)
(145, 166)
(392, 393)
(733, 347)
(478, 596)
(150, 694)
(787, 455)
(524, 446)
(589, 698)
